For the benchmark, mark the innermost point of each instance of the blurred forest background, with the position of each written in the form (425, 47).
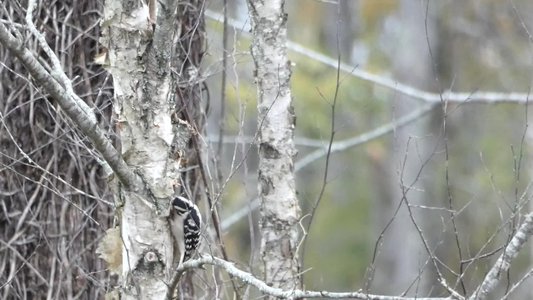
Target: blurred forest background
(463, 167)
(475, 172)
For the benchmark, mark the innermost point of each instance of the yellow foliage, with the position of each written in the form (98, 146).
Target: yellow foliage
(372, 11)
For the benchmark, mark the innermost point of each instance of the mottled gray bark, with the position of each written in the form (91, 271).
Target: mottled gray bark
(280, 211)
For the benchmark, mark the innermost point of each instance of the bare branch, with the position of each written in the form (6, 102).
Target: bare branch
(504, 261)
(57, 69)
(330, 144)
(476, 97)
(335, 147)
(285, 294)
(517, 284)
(363, 138)
(73, 110)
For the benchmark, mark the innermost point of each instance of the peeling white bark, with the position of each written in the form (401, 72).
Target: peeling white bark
(139, 60)
(280, 211)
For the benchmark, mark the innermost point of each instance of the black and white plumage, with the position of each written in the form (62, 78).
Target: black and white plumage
(186, 222)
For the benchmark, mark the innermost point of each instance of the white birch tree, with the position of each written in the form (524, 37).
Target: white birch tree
(139, 60)
(280, 210)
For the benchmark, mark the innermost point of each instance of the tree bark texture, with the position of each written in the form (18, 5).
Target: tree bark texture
(152, 138)
(280, 211)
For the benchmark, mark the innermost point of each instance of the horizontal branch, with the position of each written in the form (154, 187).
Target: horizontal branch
(404, 89)
(78, 115)
(335, 147)
(285, 294)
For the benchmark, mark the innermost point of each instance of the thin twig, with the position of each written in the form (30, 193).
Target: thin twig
(336, 147)
(486, 97)
(57, 69)
(73, 110)
(328, 152)
(504, 261)
(517, 284)
(222, 93)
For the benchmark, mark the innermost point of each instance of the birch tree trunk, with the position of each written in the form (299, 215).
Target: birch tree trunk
(152, 138)
(280, 211)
